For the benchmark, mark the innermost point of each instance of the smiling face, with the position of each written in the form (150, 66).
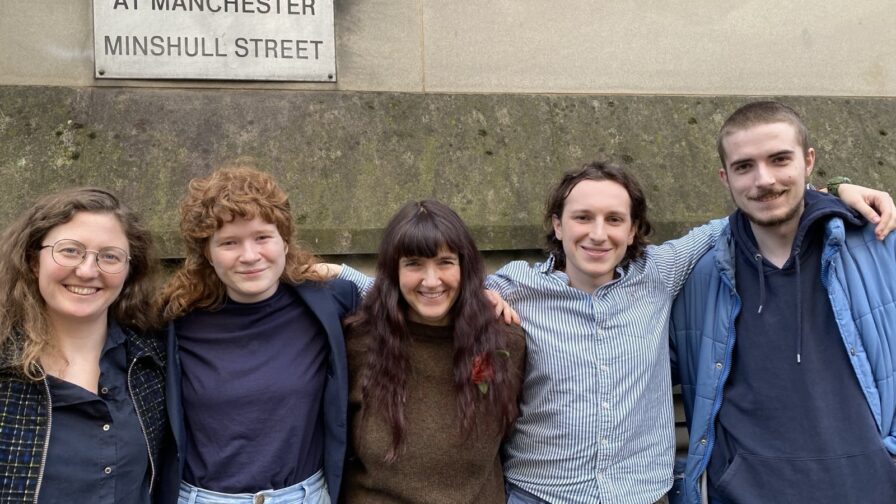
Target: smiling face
(766, 171)
(596, 229)
(430, 286)
(82, 293)
(249, 257)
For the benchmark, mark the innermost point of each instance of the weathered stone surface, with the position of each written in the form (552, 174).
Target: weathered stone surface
(349, 160)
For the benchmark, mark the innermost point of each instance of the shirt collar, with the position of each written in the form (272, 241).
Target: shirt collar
(547, 268)
(114, 336)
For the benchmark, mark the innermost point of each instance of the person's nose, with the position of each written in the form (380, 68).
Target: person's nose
(249, 253)
(598, 232)
(764, 175)
(431, 277)
(88, 267)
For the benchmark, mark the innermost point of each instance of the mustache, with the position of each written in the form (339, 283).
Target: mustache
(766, 193)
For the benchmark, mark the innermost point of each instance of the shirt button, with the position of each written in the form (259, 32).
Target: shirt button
(259, 499)
(718, 365)
(604, 442)
(107, 470)
(605, 405)
(852, 350)
(106, 427)
(604, 368)
(104, 390)
(703, 441)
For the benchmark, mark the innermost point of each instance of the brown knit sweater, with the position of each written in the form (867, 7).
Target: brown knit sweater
(438, 464)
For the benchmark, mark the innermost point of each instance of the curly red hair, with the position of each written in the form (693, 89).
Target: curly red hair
(239, 192)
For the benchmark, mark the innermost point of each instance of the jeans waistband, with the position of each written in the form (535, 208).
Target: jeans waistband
(516, 495)
(305, 491)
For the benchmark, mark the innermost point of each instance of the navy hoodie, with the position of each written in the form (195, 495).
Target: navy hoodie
(794, 425)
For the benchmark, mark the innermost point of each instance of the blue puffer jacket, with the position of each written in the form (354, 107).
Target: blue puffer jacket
(859, 273)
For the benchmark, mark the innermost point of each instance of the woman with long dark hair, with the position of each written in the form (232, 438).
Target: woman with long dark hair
(82, 410)
(434, 377)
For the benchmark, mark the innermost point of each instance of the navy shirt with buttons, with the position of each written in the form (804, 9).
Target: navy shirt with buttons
(97, 451)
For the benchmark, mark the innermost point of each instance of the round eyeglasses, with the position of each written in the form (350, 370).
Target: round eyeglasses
(72, 253)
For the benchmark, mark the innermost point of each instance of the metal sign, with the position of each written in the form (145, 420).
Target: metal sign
(284, 40)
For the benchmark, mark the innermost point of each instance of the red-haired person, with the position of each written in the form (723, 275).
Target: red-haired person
(258, 384)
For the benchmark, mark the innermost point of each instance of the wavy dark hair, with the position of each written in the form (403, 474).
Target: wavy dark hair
(423, 229)
(25, 331)
(597, 171)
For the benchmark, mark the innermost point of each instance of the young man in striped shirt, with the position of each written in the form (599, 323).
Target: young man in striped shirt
(596, 421)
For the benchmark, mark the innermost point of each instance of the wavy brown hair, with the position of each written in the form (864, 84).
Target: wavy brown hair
(25, 331)
(422, 229)
(239, 192)
(597, 171)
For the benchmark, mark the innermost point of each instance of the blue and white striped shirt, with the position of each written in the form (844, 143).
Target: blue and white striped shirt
(596, 421)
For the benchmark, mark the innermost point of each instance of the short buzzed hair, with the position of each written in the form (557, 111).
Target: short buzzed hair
(758, 113)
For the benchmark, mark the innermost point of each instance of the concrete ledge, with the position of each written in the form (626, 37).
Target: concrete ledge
(350, 159)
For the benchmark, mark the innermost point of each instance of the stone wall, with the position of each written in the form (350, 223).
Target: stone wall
(350, 159)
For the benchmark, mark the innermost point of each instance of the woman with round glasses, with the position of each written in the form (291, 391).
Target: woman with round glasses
(82, 407)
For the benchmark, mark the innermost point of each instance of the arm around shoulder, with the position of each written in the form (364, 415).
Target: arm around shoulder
(346, 295)
(515, 339)
(676, 258)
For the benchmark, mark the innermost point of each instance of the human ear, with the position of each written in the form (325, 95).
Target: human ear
(810, 161)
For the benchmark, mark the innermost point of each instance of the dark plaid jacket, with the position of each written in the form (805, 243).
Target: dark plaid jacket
(25, 420)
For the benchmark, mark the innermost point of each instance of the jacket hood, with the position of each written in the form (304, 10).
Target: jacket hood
(819, 208)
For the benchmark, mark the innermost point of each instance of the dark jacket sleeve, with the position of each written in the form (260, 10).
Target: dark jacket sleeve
(172, 454)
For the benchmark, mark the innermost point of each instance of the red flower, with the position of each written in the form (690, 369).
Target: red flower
(482, 373)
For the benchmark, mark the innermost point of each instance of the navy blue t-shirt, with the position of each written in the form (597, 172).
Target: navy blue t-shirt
(253, 380)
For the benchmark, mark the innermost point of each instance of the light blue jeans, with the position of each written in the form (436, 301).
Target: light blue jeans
(311, 491)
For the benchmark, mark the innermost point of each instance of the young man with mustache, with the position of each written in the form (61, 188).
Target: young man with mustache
(784, 336)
